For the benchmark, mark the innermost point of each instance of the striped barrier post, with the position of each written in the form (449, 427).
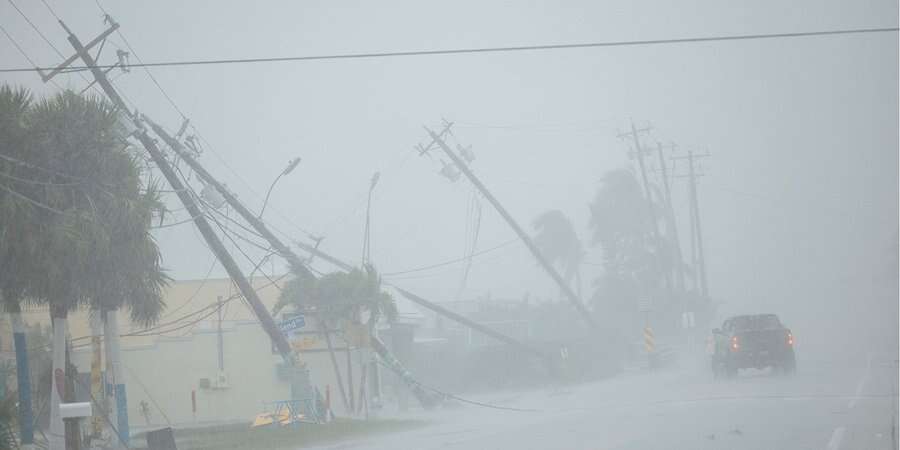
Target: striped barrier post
(650, 346)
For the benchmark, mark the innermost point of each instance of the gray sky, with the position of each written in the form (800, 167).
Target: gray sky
(799, 199)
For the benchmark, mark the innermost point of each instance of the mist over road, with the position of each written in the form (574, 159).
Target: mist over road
(846, 402)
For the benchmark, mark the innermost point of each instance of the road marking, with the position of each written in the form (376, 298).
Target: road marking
(837, 436)
(862, 384)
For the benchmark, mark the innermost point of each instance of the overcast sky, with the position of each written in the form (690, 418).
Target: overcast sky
(799, 197)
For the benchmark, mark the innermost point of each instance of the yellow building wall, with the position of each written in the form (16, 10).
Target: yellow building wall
(166, 364)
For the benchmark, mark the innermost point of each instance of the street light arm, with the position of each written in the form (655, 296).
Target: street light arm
(269, 193)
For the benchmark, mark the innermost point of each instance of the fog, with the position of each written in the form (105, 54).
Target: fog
(798, 198)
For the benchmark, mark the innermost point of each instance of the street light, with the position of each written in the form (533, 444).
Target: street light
(292, 164)
(366, 239)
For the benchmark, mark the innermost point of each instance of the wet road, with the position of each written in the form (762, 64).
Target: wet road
(846, 403)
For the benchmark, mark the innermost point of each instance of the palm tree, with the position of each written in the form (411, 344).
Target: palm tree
(94, 245)
(128, 274)
(621, 226)
(558, 242)
(350, 300)
(340, 300)
(16, 243)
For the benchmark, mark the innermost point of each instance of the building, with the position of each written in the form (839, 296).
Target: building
(173, 367)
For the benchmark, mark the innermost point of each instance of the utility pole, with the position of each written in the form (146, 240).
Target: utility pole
(297, 264)
(697, 254)
(638, 153)
(199, 218)
(670, 214)
(220, 340)
(464, 168)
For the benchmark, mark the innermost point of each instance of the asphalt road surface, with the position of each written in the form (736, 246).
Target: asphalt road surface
(837, 403)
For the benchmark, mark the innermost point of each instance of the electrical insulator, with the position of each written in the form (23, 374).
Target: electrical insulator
(212, 196)
(466, 153)
(451, 172)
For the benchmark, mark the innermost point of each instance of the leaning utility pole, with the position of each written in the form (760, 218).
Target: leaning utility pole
(199, 217)
(295, 260)
(464, 168)
(698, 256)
(299, 268)
(297, 264)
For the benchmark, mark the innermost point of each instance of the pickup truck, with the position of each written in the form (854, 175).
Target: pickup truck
(752, 341)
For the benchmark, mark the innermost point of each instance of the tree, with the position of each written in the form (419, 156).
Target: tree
(622, 225)
(87, 230)
(16, 242)
(558, 242)
(340, 297)
(348, 300)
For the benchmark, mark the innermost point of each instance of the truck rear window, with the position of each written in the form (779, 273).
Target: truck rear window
(762, 322)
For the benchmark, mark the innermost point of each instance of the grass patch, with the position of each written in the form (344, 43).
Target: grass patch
(239, 437)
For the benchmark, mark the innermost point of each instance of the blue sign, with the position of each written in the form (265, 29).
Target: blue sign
(294, 323)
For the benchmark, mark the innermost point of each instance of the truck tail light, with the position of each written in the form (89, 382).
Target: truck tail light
(734, 344)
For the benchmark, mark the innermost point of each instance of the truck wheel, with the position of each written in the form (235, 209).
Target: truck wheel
(786, 367)
(790, 365)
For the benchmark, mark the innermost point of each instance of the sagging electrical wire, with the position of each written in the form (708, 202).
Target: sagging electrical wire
(447, 395)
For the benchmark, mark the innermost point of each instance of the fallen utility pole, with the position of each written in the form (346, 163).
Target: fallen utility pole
(567, 290)
(532, 351)
(199, 218)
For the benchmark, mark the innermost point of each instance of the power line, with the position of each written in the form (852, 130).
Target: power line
(140, 61)
(76, 180)
(52, 12)
(175, 224)
(38, 182)
(22, 51)
(215, 308)
(48, 41)
(202, 138)
(447, 395)
(452, 261)
(197, 291)
(35, 202)
(38, 30)
(523, 48)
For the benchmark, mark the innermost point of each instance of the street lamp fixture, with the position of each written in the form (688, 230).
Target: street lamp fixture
(292, 164)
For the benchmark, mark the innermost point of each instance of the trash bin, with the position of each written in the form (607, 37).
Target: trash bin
(162, 439)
